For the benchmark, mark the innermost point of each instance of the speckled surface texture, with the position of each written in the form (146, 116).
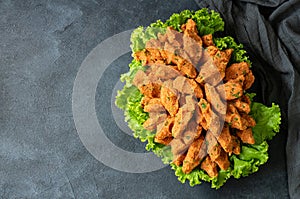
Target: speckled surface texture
(42, 45)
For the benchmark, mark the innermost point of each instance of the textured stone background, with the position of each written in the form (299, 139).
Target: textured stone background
(42, 44)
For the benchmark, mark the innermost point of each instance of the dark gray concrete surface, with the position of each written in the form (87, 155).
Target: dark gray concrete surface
(42, 45)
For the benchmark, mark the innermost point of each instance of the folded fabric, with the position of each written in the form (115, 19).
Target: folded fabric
(270, 32)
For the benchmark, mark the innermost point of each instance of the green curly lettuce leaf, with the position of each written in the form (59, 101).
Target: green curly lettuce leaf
(268, 120)
(250, 158)
(208, 22)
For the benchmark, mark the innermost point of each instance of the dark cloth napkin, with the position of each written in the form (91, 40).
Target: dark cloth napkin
(270, 32)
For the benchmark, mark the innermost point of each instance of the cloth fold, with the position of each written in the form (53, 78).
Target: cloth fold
(270, 32)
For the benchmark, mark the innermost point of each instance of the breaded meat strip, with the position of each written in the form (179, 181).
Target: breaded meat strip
(147, 88)
(210, 167)
(233, 118)
(233, 89)
(209, 73)
(154, 105)
(205, 113)
(195, 154)
(164, 132)
(182, 119)
(246, 136)
(238, 69)
(215, 99)
(229, 143)
(192, 42)
(216, 152)
(155, 118)
(187, 86)
(178, 160)
(169, 98)
(242, 104)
